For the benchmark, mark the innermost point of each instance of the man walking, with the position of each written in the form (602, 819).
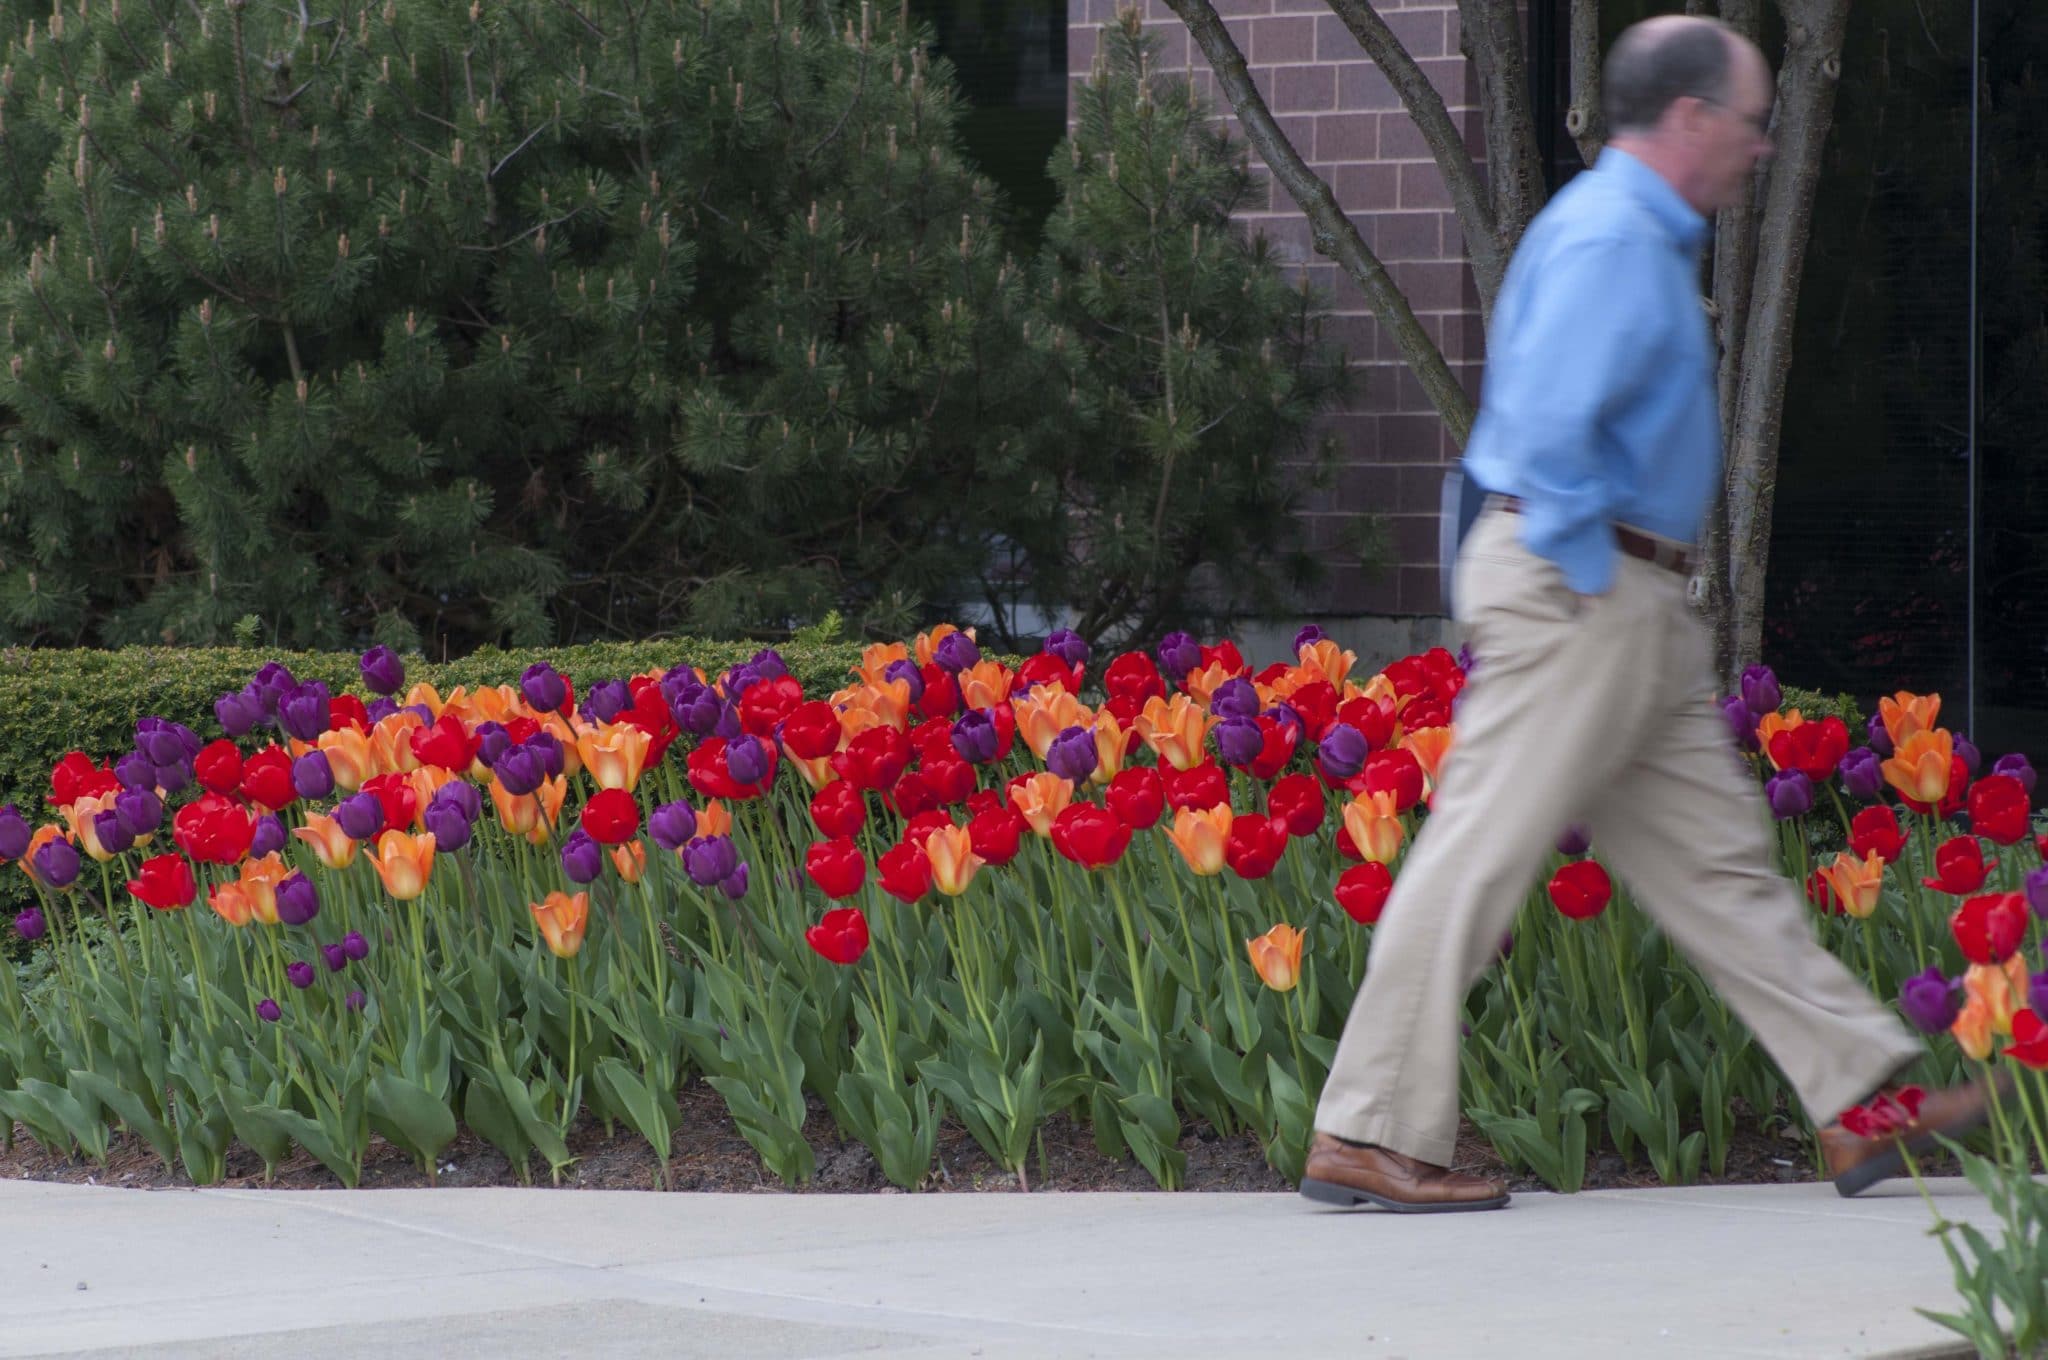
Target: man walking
(1592, 700)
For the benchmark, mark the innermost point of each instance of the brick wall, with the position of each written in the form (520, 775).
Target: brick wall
(1346, 120)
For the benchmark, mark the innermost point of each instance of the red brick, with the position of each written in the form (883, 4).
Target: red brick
(1420, 31)
(1420, 488)
(1410, 397)
(1431, 286)
(1230, 8)
(1411, 438)
(1413, 537)
(1355, 332)
(1361, 85)
(1277, 42)
(1422, 184)
(1452, 78)
(1305, 89)
(1400, 139)
(1081, 43)
(1367, 488)
(1408, 236)
(1346, 137)
(1366, 188)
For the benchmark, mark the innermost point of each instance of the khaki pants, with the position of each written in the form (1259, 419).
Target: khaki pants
(1597, 710)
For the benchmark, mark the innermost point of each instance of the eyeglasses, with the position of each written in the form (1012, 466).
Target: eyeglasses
(1759, 123)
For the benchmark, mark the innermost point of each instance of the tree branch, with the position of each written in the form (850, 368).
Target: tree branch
(1583, 119)
(1490, 32)
(1336, 236)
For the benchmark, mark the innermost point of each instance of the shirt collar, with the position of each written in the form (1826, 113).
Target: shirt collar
(1687, 227)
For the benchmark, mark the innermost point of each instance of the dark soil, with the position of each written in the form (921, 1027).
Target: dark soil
(709, 1154)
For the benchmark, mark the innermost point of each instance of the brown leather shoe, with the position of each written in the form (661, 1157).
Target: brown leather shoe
(1869, 1143)
(1339, 1173)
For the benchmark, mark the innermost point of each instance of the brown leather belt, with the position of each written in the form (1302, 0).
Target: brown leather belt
(1656, 551)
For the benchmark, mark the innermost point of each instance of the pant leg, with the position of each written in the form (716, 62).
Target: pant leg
(1552, 713)
(1686, 827)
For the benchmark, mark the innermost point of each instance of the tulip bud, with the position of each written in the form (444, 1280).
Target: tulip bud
(1575, 841)
(1235, 698)
(1862, 774)
(606, 700)
(1238, 741)
(1880, 736)
(299, 974)
(336, 957)
(975, 736)
(768, 664)
(14, 833)
(57, 863)
(1972, 759)
(382, 671)
(2037, 891)
(269, 1011)
(1741, 722)
(544, 689)
(1308, 637)
(355, 946)
(450, 825)
(710, 859)
(30, 925)
(1069, 646)
(520, 769)
(909, 674)
(269, 837)
(312, 776)
(306, 711)
(673, 825)
(377, 710)
(1760, 691)
(1790, 793)
(1930, 1001)
(356, 1001)
(2018, 766)
(135, 771)
(582, 857)
(493, 740)
(298, 901)
(734, 884)
(1179, 653)
(1342, 752)
(237, 712)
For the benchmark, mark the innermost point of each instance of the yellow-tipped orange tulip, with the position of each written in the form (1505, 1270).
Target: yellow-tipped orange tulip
(391, 740)
(615, 754)
(352, 757)
(331, 845)
(1276, 957)
(1919, 769)
(1204, 681)
(630, 859)
(1044, 713)
(1327, 661)
(78, 814)
(1112, 745)
(1972, 1029)
(2002, 990)
(954, 863)
(1771, 725)
(876, 659)
(424, 693)
(1856, 884)
(1041, 798)
(497, 703)
(714, 819)
(1375, 827)
(405, 863)
(817, 773)
(985, 684)
(1906, 714)
(1201, 834)
(561, 920)
(1174, 729)
(864, 706)
(231, 904)
(1429, 746)
(259, 880)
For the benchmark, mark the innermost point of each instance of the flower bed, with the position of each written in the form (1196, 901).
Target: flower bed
(948, 889)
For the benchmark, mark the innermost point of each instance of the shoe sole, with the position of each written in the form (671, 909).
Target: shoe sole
(1345, 1197)
(1891, 1161)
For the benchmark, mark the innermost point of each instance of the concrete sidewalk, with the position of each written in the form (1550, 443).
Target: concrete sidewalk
(1788, 1271)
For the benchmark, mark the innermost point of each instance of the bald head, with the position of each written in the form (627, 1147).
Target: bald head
(1661, 60)
(1692, 100)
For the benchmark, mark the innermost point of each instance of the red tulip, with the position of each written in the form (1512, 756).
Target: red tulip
(399, 799)
(1316, 704)
(941, 697)
(768, 702)
(712, 777)
(218, 767)
(1279, 738)
(2030, 1040)
(1876, 829)
(165, 882)
(1137, 795)
(1255, 845)
(267, 778)
(1090, 835)
(838, 809)
(1374, 721)
(811, 731)
(1362, 891)
(346, 710)
(841, 937)
(836, 866)
(1132, 676)
(1581, 889)
(1821, 894)
(951, 779)
(905, 872)
(1226, 655)
(1814, 748)
(1959, 866)
(75, 777)
(932, 739)
(1047, 669)
(213, 830)
(1999, 809)
(1202, 787)
(919, 829)
(1125, 709)
(1298, 802)
(447, 744)
(611, 817)
(1397, 772)
(875, 759)
(910, 795)
(1990, 928)
(987, 800)
(995, 833)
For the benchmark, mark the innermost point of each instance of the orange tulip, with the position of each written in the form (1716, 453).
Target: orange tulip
(1174, 729)
(1325, 660)
(1276, 957)
(44, 834)
(391, 740)
(817, 773)
(331, 845)
(954, 863)
(1856, 884)
(1972, 1029)
(426, 781)
(1203, 681)
(78, 814)
(424, 693)
(1429, 746)
(1200, 834)
(1112, 744)
(259, 881)
(523, 815)
(231, 903)
(1906, 714)
(985, 684)
(351, 756)
(561, 920)
(2002, 990)
(1375, 827)
(864, 706)
(630, 859)
(615, 754)
(714, 820)
(405, 863)
(1041, 798)
(876, 659)
(1044, 713)
(496, 703)
(1919, 769)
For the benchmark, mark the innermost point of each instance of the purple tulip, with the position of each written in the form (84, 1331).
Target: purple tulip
(237, 713)
(1760, 690)
(1284, 713)
(272, 682)
(2018, 766)
(355, 1001)
(307, 711)
(377, 710)
(520, 770)
(298, 901)
(543, 687)
(582, 858)
(166, 742)
(1072, 755)
(710, 859)
(1880, 736)
(361, 817)
(1741, 723)
(1069, 646)
(268, 1011)
(1790, 793)
(30, 924)
(734, 884)
(382, 671)
(975, 736)
(2037, 892)
(768, 664)
(140, 810)
(1342, 752)
(1309, 636)
(135, 771)
(312, 776)
(462, 794)
(548, 747)
(108, 831)
(747, 759)
(14, 833)
(451, 826)
(355, 946)
(673, 825)
(2037, 994)
(269, 837)
(1972, 758)
(1930, 1001)
(1467, 662)
(1238, 741)
(955, 653)
(299, 973)
(909, 674)
(606, 700)
(336, 957)
(698, 711)
(1576, 840)
(1235, 698)
(1862, 774)
(739, 680)
(57, 863)
(1179, 653)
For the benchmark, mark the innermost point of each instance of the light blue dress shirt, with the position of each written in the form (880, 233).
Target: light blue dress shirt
(1599, 402)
